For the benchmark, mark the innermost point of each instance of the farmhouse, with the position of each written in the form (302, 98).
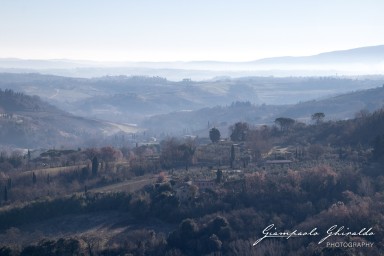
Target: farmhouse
(205, 184)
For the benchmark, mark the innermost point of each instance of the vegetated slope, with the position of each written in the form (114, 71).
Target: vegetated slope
(11, 101)
(343, 106)
(198, 122)
(124, 98)
(360, 131)
(131, 98)
(27, 121)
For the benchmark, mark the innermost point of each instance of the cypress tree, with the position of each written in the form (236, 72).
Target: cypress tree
(9, 183)
(95, 166)
(219, 176)
(5, 194)
(34, 178)
(232, 155)
(378, 147)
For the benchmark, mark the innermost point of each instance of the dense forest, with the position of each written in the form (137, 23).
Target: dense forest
(11, 101)
(197, 197)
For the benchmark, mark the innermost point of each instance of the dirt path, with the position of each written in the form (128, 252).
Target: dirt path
(128, 186)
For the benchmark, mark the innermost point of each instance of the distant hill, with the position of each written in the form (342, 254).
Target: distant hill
(198, 122)
(364, 55)
(340, 107)
(11, 102)
(130, 99)
(358, 61)
(28, 122)
(127, 98)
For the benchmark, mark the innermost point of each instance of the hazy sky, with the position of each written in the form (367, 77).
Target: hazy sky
(160, 30)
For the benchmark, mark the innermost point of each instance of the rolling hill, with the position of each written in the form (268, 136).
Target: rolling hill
(366, 55)
(28, 122)
(198, 122)
(130, 99)
(358, 61)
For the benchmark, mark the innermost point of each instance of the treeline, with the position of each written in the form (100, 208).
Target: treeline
(16, 101)
(57, 173)
(361, 130)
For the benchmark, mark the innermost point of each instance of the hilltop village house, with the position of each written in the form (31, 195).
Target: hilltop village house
(186, 191)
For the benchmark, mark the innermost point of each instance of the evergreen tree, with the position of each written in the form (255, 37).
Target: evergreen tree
(95, 166)
(34, 180)
(232, 156)
(318, 117)
(285, 123)
(378, 147)
(5, 194)
(219, 175)
(9, 183)
(214, 135)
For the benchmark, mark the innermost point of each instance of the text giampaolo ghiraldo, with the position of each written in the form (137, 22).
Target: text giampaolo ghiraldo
(333, 231)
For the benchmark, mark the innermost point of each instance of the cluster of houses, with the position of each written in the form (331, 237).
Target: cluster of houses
(234, 180)
(186, 191)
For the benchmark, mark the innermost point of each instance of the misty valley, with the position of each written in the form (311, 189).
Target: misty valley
(231, 165)
(191, 128)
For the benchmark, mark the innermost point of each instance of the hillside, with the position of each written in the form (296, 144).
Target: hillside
(11, 101)
(198, 122)
(28, 122)
(130, 99)
(341, 106)
(309, 177)
(173, 108)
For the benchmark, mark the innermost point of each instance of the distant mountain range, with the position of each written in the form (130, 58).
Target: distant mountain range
(363, 55)
(358, 61)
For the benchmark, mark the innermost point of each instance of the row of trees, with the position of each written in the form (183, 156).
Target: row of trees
(239, 131)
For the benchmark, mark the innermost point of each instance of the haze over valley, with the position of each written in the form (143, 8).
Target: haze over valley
(344, 62)
(191, 128)
(161, 107)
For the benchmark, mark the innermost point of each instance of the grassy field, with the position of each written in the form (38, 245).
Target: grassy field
(129, 185)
